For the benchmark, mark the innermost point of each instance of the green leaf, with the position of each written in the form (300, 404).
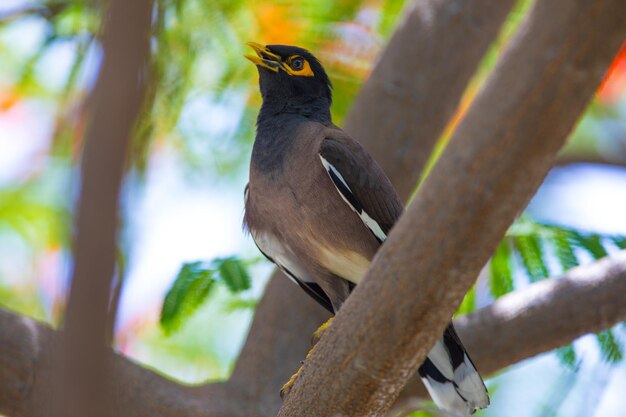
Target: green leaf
(567, 356)
(564, 250)
(531, 252)
(592, 243)
(610, 347)
(500, 276)
(190, 289)
(193, 286)
(619, 241)
(233, 273)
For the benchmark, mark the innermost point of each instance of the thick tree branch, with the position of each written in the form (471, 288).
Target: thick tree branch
(495, 161)
(428, 62)
(522, 324)
(27, 369)
(82, 362)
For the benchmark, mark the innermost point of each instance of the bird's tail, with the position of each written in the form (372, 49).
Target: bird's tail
(451, 378)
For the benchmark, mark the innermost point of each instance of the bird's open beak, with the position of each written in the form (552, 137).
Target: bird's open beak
(263, 58)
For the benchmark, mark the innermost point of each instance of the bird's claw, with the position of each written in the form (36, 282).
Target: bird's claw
(320, 331)
(286, 389)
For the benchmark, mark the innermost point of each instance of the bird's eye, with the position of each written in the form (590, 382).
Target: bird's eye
(297, 64)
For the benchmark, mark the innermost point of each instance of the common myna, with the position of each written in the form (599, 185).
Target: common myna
(319, 207)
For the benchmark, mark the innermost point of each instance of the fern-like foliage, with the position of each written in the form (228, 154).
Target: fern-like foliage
(501, 274)
(193, 285)
(528, 245)
(619, 241)
(611, 349)
(567, 356)
(526, 251)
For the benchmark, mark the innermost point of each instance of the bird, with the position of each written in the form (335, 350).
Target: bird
(319, 207)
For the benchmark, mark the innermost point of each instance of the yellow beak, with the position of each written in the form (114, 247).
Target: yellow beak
(264, 57)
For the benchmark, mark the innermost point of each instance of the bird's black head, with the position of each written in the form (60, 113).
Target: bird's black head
(290, 76)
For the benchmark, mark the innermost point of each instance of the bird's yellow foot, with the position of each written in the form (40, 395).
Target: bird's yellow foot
(286, 389)
(320, 330)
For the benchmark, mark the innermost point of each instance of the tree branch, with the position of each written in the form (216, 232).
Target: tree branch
(401, 134)
(82, 363)
(541, 317)
(27, 370)
(494, 163)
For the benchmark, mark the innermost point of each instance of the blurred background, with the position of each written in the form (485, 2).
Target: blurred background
(182, 201)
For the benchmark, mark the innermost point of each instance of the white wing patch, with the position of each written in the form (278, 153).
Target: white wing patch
(373, 226)
(366, 218)
(330, 168)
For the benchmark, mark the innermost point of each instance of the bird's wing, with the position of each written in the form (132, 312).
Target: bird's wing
(361, 183)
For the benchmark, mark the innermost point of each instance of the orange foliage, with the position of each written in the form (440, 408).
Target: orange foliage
(276, 24)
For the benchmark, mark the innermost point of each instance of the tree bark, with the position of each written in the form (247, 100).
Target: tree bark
(494, 163)
(81, 357)
(519, 325)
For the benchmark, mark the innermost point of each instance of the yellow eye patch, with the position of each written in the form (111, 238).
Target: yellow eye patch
(296, 65)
